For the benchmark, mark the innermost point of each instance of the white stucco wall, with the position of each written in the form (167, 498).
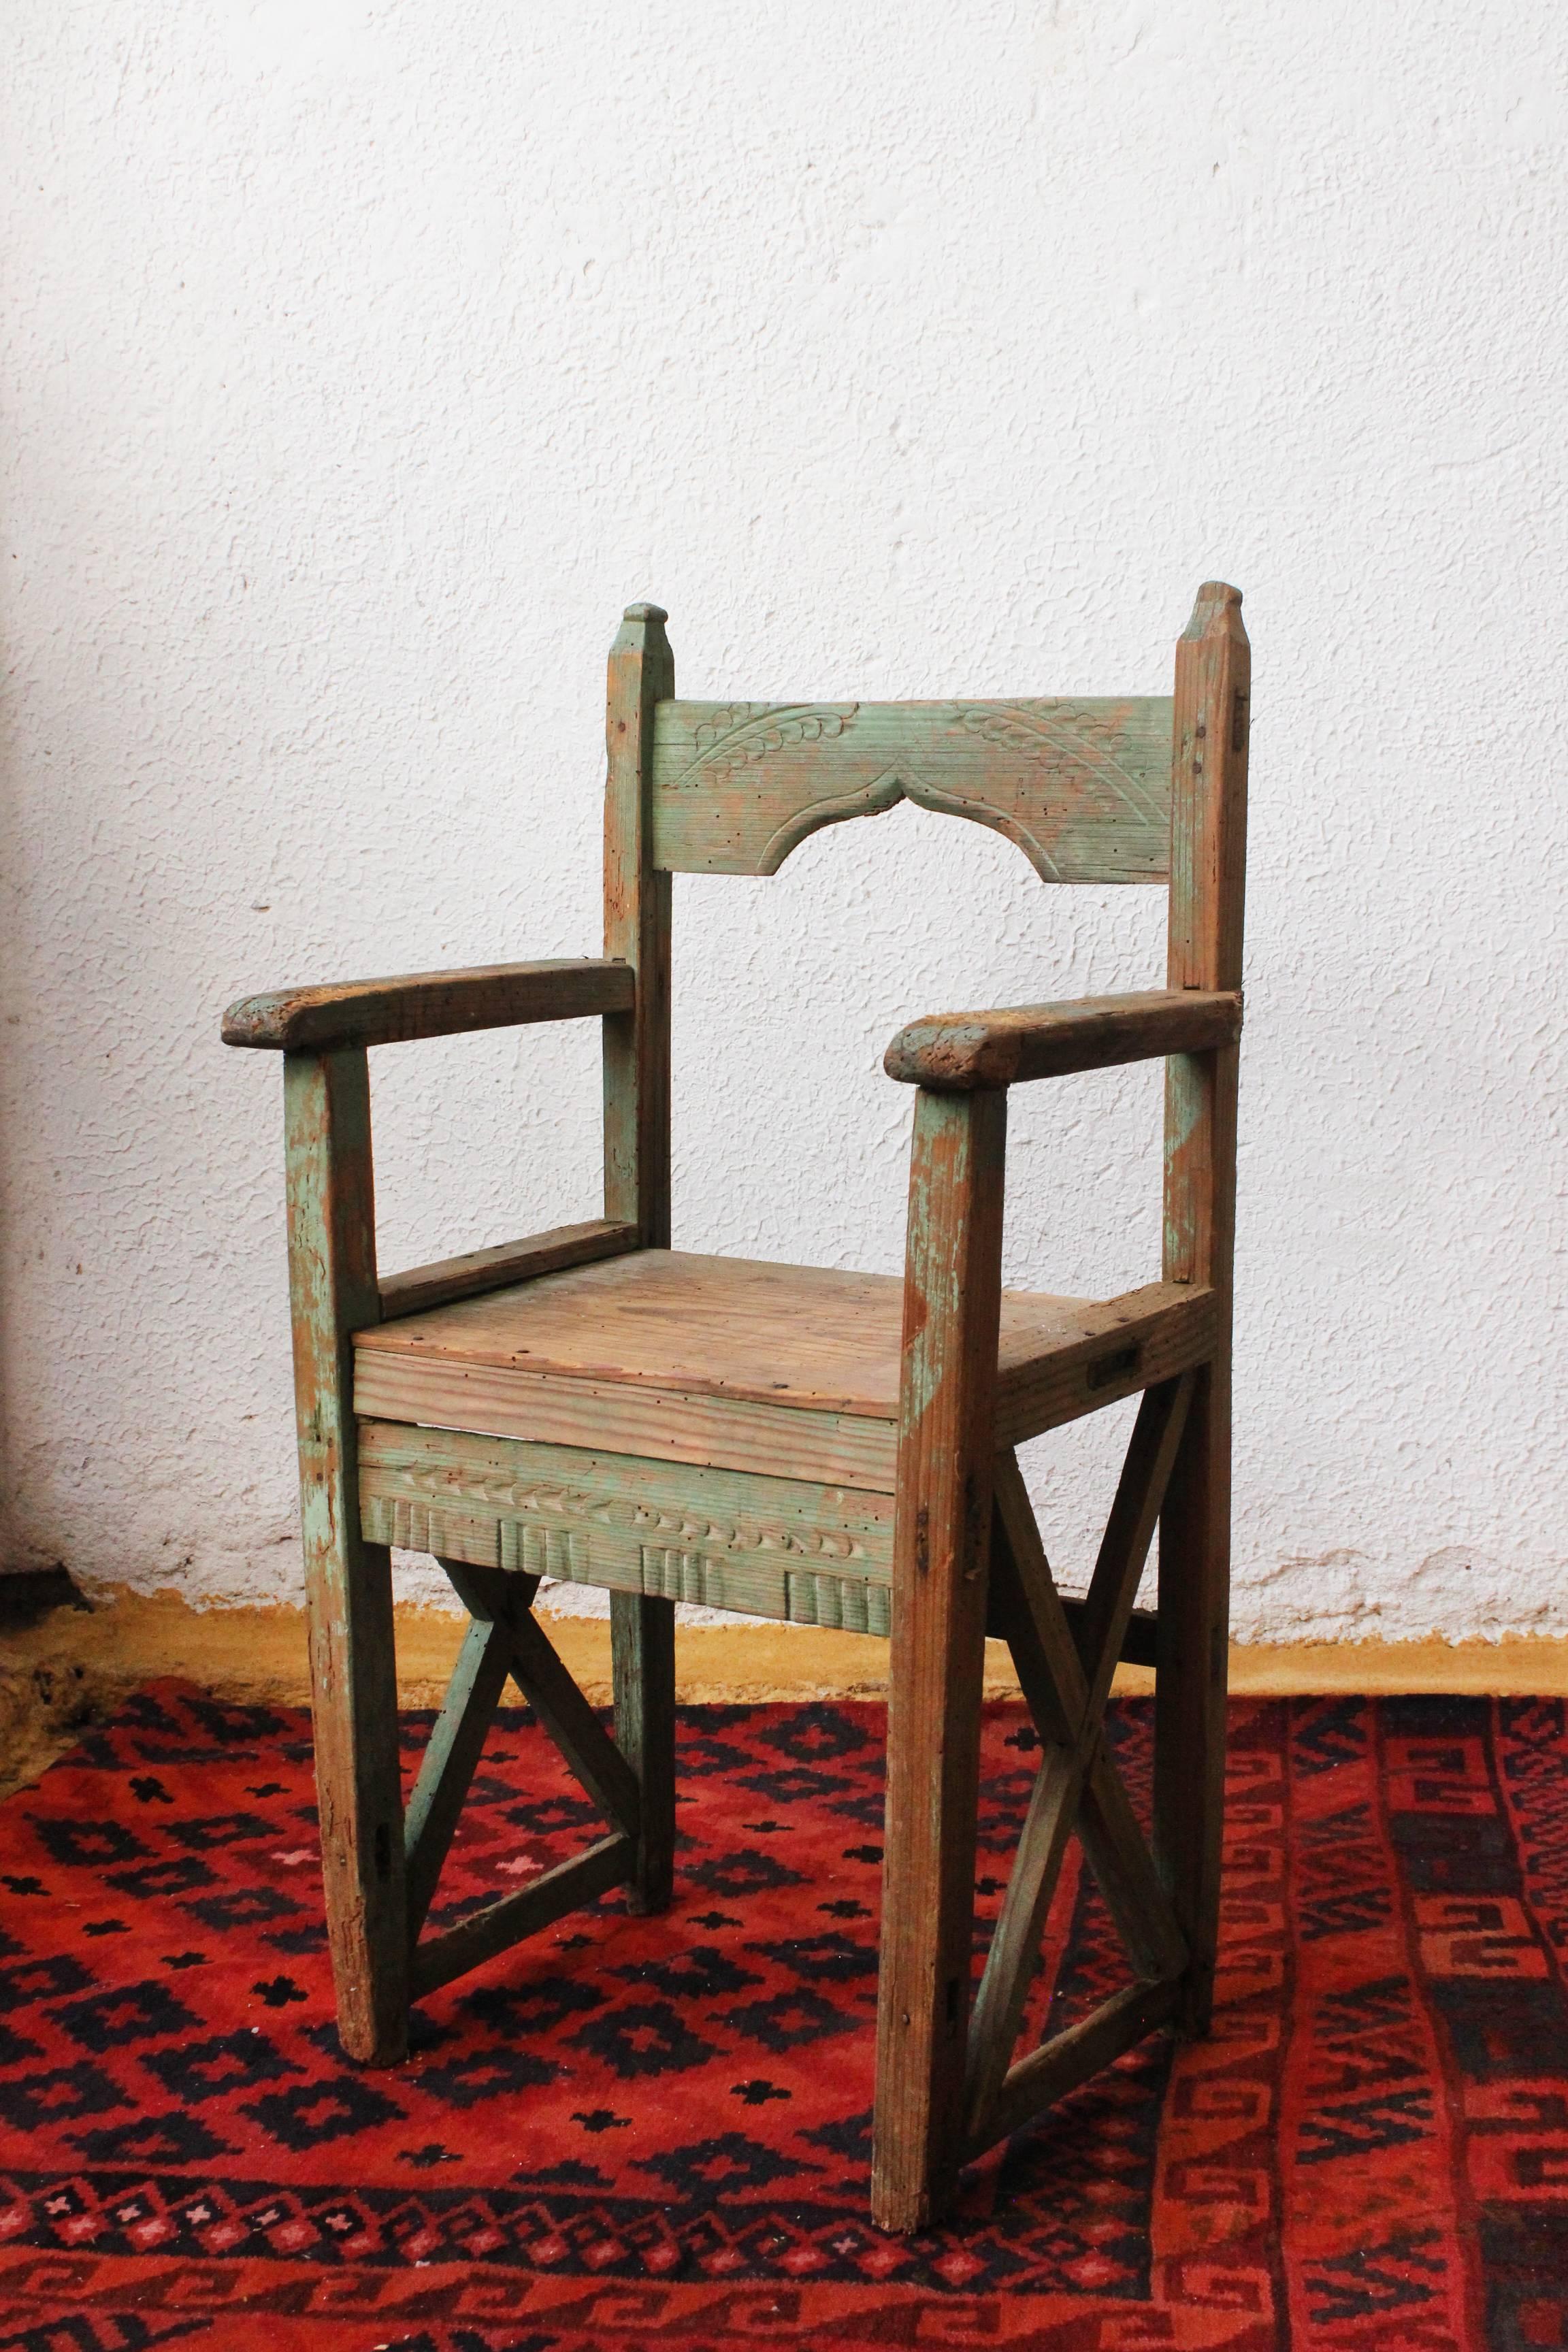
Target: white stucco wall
(364, 357)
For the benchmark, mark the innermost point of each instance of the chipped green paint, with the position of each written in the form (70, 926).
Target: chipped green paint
(723, 1539)
(332, 1291)
(1081, 786)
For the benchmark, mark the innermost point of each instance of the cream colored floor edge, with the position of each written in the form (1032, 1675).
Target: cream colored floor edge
(74, 1665)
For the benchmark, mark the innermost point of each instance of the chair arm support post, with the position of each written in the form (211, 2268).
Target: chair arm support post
(953, 1296)
(430, 1005)
(353, 1679)
(960, 1052)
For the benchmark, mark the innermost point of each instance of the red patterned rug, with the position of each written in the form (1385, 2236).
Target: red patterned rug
(642, 2134)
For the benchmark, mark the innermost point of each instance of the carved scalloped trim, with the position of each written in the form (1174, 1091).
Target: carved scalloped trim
(869, 800)
(743, 731)
(1070, 729)
(886, 793)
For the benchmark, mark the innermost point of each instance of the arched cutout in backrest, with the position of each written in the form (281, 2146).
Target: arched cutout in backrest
(1083, 787)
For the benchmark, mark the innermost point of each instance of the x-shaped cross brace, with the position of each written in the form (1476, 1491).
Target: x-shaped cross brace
(1066, 1675)
(505, 1639)
(1066, 1672)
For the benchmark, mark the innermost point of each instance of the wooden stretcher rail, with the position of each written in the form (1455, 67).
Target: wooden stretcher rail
(429, 1005)
(962, 1053)
(1070, 2058)
(447, 1278)
(539, 1904)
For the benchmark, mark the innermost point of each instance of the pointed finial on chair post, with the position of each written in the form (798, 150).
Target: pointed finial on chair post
(642, 630)
(1216, 612)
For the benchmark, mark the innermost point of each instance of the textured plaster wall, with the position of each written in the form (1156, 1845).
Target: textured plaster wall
(364, 357)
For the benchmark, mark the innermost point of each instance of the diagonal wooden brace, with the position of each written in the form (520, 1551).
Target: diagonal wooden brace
(1067, 1674)
(451, 1756)
(506, 1640)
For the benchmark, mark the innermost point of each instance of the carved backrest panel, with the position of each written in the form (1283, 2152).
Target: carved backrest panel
(1082, 786)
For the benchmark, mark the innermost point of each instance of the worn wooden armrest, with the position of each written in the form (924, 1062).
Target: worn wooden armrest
(429, 1005)
(962, 1053)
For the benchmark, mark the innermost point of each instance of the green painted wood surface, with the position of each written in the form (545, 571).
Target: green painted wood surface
(348, 1578)
(637, 932)
(775, 1547)
(642, 1667)
(953, 1296)
(1208, 853)
(502, 1264)
(541, 1904)
(1083, 787)
(590, 1752)
(451, 1754)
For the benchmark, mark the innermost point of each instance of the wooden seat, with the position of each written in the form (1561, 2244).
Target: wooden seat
(673, 1347)
(832, 1448)
(782, 1378)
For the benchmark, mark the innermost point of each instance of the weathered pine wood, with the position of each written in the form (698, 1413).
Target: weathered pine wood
(734, 1514)
(1129, 1532)
(642, 1666)
(1128, 1879)
(538, 1904)
(505, 1601)
(1015, 1940)
(637, 1187)
(835, 1449)
(1052, 1675)
(773, 1547)
(449, 1278)
(450, 1757)
(1138, 1643)
(1071, 2057)
(1209, 848)
(573, 1356)
(1055, 1802)
(951, 1314)
(1125, 1345)
(637, 931)
(956, 1052)
(353, 1679)
(1081, 786)
(428, 1005)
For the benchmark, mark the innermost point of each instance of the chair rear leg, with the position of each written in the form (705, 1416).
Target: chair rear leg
(642, 1661)
(1190, 1686)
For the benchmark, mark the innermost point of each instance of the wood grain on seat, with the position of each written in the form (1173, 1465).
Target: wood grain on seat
(743, 1363)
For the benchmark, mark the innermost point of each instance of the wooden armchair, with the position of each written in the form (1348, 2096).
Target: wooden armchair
(832, 1448)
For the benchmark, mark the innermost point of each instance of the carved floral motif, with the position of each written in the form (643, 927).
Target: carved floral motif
(740, 733)
(1078, 738)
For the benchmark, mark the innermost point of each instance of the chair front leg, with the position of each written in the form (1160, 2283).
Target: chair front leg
(348, 1582)
(941, 1536)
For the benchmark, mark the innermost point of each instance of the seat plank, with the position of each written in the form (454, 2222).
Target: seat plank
(792, 1371)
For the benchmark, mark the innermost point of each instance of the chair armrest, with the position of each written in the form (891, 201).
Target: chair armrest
(429, 1005)
(962, 1053)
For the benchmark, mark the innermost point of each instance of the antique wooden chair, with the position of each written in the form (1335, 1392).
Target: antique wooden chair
(832, 1448)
